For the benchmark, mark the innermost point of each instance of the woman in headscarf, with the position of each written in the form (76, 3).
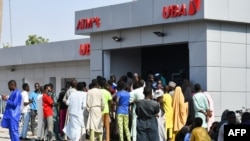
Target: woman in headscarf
(180, 108)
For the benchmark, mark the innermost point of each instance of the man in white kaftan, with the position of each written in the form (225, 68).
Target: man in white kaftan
(76, 105)
(95, 106)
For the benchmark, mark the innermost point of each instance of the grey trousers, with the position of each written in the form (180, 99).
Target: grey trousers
(147, 130)
(49, 127)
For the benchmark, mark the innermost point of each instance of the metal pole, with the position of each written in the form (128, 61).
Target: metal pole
(1, 16)
(10, 23)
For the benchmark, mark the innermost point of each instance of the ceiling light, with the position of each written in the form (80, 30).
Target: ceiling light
(117, 39)
(160, 34)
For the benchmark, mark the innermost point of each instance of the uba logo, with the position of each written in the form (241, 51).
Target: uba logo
(173, 11)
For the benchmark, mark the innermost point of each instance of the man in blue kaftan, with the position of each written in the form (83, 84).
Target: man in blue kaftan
(12, 110)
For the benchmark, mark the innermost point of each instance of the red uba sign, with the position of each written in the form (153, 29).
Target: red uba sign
(87, 23)
(84, 49)
(173, 11)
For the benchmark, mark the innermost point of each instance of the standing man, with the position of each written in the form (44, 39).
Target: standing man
(201, 106)
(135, 95)
(73, 85)
(72, 88)
(12, 110)
(95, 106)
(33, 106)
(25, 110)
(147, 110)
(76, 106)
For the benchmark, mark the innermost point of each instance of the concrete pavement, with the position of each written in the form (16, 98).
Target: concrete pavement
(4, 135)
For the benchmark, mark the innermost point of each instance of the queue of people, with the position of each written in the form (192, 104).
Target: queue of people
(25, 106)
(131, 109)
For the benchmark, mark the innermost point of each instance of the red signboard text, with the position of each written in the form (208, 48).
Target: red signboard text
(84, 49)
(173, 11)
(87, 23)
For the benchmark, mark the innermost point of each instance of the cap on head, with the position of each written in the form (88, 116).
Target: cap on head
(158, 93)
(172, 84)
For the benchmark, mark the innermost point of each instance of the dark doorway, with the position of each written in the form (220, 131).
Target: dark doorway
(170, 60)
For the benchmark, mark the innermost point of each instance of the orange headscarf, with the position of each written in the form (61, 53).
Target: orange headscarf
(180, 108)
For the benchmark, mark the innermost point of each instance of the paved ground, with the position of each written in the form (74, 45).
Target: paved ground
(4, 135)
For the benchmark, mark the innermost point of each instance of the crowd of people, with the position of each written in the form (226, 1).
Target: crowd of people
(132, 109)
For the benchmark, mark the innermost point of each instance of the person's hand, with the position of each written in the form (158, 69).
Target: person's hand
(30, 101)
(4, 97)
(64, 100)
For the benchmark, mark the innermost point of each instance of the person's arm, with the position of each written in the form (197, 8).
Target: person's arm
(102, 103)
(65, 96)
(26, 100)
(132, 97)
(196, 107)
(207, 106)
(17, 98)
(84, 102)
(117, 99)
(54, 98)
(110, 103)
(48, 100)
(31, 95)
(68, 102)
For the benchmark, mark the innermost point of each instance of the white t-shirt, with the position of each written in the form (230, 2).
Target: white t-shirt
(25, 98)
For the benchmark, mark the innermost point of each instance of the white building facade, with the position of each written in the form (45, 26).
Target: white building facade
(208, 39)
(55, 63)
